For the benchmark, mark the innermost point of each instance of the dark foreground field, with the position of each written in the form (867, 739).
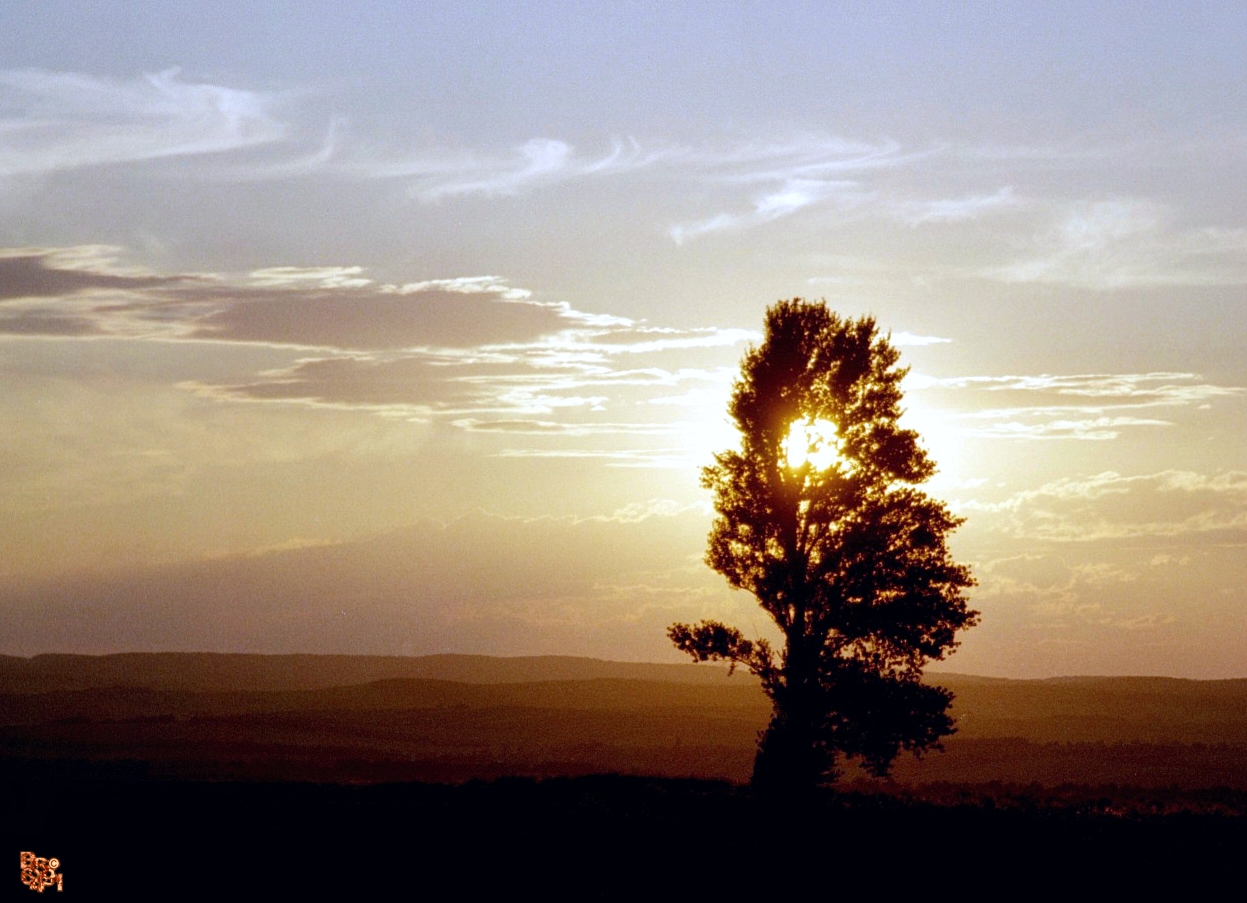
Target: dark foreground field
(156, 776)
(121, 836)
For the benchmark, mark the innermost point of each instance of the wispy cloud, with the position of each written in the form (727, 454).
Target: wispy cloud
(1146, 388)
(550, 428)
(55, 121)
(786, 199)
(467, 285)
(952, 210)
(1125, 243)
(808, 156)
(653, 458)
(318, 277)
(784, 178)
(537, 160)
(909, 340)
(1055, 594)
(436, 174)
(1096, 406)
(62, 121)
(1110, 506)
(1086, 428)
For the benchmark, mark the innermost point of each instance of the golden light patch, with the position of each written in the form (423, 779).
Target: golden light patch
(813, 442)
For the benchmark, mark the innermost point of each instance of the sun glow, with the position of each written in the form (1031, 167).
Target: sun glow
(813, 442)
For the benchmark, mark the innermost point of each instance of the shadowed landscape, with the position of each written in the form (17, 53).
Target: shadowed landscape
(454, 718)
(424, 760)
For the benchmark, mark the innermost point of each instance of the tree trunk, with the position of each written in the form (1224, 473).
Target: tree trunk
(792, 757)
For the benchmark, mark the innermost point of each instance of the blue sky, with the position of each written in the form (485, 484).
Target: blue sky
(285, 287)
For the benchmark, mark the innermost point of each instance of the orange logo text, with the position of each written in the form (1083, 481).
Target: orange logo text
(38, 873)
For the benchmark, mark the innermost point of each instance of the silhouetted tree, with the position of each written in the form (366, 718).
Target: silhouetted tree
(818, 517)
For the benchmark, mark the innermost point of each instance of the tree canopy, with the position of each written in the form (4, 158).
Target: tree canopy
(819, 517)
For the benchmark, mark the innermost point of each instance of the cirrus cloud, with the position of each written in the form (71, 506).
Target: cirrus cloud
(55, 121)
(1090, 406)
(1129, 243)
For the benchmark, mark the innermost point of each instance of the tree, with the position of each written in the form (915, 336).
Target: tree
(819, 518)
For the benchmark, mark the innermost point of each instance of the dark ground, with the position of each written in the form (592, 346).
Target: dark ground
(456, 777)
(121, 835)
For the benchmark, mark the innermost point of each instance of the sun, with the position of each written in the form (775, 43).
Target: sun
(815, 442)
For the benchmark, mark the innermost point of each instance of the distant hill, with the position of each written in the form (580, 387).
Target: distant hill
(1101, 709)
(202, 671)
(1068, 709)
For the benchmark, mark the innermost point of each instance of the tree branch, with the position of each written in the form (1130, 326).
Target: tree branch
(711, 641)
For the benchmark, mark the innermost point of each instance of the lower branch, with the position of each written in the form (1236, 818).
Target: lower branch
(710, 641)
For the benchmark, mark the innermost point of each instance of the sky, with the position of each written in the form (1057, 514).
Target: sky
(405, 328)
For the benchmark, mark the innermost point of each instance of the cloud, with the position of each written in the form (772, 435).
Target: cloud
(786, 199)
(794, 195)
(510, 383)
(436, 174)
(661, 458)
(25, 323)
(407, 388)
(537, 160)
(363, 319)
(488, 357)
(54, 121)
(697, 397)
(1097, 406)
(1052, 595)
(518, 427)
(805, 172)
(1088, 428)
(57, 121)
(802, 156)
(319, 277)
(473, 353)
(908, 340)
(1127, 243)
(468, 285)
(549, 428)
(84, 290)
(1139, 388)
(955, 210)
(52, 272)
(648, 340)
(684, 231)
(1109, 506)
